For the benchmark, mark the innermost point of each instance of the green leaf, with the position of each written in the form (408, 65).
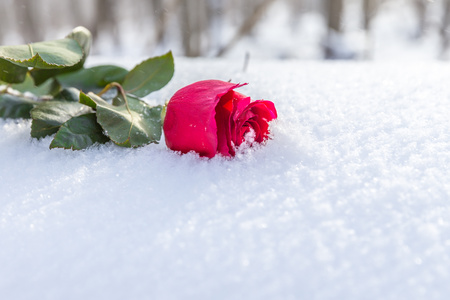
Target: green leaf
(50, 87)
(79, 133)
(15, 107)
(130, 122)
(44, 55)
(49, 116)
(83, 38)
(91, 100)
(11, 73)
(149, 76)
(93, 78)
(68, 94)
(47, 58)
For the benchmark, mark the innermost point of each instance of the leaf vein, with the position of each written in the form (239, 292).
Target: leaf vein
(143, 83)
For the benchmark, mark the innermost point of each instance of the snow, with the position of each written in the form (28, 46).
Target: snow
(348, 200)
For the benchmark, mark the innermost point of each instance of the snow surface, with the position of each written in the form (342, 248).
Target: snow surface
(349, 200)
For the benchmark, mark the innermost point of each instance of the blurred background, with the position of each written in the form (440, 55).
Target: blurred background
(267, 29)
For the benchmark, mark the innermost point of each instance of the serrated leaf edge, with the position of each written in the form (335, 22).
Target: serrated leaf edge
(37, 55)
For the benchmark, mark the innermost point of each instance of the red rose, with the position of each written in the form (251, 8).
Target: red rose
(209, 117)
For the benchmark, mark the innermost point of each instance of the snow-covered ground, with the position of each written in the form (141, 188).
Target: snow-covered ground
(349, 200)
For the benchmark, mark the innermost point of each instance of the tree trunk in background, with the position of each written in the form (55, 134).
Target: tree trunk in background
(333, 47)
(162, 11)
(186, 28)
(369, 11)
(27, 20)
(246, 26)
(78, 16)
(421, 11)
(216, 11)
(106, 21)
(334, 12)
(160, 20)
(445, 29)
(193, 25)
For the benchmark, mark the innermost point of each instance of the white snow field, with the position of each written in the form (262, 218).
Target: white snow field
(349, 200)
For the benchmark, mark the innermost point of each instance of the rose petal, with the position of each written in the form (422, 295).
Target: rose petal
(190, 123)
(256, 115)
(229, 104)
(223, 114)
(239, 105)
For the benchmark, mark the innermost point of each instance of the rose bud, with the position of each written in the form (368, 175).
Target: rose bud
(209, 117)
